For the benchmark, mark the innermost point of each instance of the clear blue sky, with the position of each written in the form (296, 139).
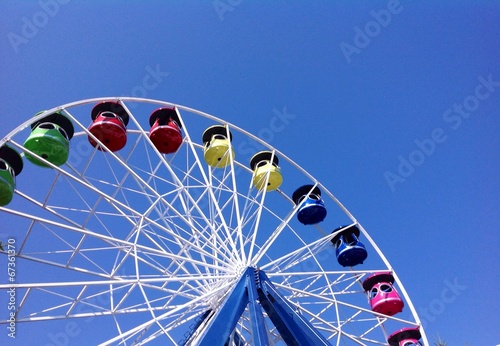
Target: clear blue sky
(397, 115)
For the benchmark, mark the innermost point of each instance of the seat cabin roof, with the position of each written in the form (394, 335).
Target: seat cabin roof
(404, 334)
(58, 119)
(263, 156)
(110, 106)
(303, 191)
(12, 157)
(376, 278)
(164, 115)
(345, 230)
(215, 130)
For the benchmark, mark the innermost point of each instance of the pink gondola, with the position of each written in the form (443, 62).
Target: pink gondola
(384, 298)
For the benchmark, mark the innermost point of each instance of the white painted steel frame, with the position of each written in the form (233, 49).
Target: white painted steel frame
(206, 246)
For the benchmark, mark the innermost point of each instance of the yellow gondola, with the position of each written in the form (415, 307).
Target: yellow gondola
(265, 168)
(218, 150)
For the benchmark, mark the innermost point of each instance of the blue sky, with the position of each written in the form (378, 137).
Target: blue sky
(398, 118)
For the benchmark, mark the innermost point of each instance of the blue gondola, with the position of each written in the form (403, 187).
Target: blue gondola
(312, 208)
(349, 250)
(11, 164)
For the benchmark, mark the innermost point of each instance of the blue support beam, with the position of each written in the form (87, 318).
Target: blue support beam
(292, 326)
(199, 320)
(259, 328)
(236, 339)
(255, 290)
(224, 321)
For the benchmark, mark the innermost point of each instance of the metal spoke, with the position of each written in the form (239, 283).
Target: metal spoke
(158, 247)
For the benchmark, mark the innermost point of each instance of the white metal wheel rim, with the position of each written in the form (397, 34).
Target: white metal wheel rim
(214, 269)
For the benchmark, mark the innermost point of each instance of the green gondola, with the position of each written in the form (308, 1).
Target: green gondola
(11, 164)
(49, 139)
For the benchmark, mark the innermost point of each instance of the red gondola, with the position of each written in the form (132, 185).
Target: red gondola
(165, 132)
(109, 126)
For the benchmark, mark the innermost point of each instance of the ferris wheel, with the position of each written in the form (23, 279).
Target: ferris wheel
(137, 221)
